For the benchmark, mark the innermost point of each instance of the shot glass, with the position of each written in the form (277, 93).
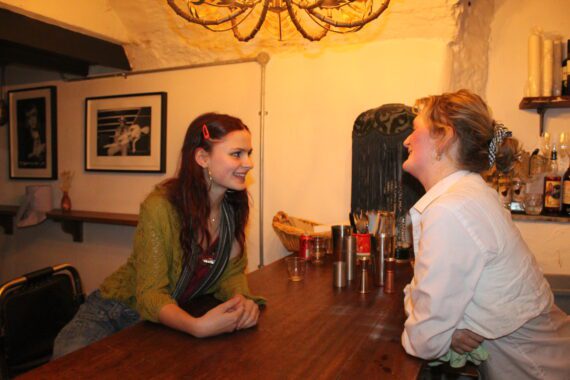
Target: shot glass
(296, 267)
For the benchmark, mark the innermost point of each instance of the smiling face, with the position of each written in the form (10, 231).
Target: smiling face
(421, 150)
(229, 161)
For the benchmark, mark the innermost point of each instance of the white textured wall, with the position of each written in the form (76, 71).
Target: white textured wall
(511, 25)
(154, 36)
(469, 47)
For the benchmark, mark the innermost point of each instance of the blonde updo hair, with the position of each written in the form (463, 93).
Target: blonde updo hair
(473, 126)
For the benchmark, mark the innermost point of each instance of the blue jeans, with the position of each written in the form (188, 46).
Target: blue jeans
(96, 319)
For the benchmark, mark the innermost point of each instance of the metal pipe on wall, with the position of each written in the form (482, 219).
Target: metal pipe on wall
(262, 59)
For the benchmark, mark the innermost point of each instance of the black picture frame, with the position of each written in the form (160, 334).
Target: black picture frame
(126, 133)
(32, 133)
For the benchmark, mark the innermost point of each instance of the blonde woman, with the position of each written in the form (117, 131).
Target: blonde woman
(475, 280)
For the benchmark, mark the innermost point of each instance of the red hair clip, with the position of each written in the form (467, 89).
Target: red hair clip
(205, 132)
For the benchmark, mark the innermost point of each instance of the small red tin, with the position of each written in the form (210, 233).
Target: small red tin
(362, 244)
(305, 246)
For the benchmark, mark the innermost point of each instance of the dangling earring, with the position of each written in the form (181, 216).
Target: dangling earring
(436, 154)
(210, 180)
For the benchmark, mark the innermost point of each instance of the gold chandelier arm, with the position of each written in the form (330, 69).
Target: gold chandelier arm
(300, 28)
(257, 27)
(199, 21)
(351, 24)
(316, 4)
(230, 27)
(338, 31)
(338, 16)
(236, 4)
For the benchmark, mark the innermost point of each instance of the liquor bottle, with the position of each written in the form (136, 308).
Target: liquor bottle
(564, 77)
(552, 186)
(566, 193)
(565, 71)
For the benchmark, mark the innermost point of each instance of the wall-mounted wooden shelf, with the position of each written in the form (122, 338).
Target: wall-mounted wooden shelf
(7, 214)
(72, 221)
(542, 103)
(541, 218)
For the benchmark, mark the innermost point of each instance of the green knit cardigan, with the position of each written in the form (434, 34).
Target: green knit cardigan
(147, 280)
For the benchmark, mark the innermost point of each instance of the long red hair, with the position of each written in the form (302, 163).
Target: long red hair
(188, 191)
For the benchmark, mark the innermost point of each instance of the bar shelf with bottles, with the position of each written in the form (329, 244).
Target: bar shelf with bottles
(555, 197)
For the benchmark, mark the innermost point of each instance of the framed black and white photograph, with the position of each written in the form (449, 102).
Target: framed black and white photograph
(126, 133)
(33, 133)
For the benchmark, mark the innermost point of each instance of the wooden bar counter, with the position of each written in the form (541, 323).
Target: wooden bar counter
(308, 330)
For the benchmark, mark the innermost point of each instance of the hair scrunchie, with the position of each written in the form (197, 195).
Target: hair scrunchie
(499, 136)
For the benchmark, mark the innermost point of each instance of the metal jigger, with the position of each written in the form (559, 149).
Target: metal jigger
(365, 281)
(338, 233)
(349, 248)
(390, 276)
(339, 274)
(380, 251)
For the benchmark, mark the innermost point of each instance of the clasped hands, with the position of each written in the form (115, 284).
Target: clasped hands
(238, 313)
(464, 341)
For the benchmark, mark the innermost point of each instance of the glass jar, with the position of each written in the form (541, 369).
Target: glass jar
(319, 249)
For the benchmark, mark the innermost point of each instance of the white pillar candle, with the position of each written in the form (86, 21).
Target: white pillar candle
(534, 64)
(557, 68)
(547, 60)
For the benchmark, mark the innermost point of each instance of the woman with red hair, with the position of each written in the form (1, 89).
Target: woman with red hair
(190, 241)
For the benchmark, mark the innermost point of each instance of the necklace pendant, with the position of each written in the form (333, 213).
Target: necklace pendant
(208, 259)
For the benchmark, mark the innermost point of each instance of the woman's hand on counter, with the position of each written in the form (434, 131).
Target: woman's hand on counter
(224, 318)
(250, 313)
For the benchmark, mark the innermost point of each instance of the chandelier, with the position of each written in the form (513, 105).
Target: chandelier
(312, 18)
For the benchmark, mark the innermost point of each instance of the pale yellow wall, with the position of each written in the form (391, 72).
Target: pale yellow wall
(231, 89)
(313, 98)
(507, 76)
(312, 102)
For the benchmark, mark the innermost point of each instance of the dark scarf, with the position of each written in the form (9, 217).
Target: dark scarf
(225, 240)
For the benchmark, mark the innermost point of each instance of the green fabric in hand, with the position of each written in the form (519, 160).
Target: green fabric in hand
(457, 360)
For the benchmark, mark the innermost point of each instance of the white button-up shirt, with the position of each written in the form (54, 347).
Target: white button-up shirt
(473, 270)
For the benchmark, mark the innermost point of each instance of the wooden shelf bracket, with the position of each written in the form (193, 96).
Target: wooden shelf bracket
(72, 221)
(542, 103)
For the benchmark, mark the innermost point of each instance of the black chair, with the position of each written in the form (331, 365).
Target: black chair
(33, 309)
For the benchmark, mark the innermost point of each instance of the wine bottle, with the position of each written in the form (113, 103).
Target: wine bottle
(566, 193)
(565, 71)
(552, 186)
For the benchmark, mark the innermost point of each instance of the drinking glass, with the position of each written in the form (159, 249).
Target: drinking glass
(387, 231)
(296, 268)
(319, 250)
(533, 203)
